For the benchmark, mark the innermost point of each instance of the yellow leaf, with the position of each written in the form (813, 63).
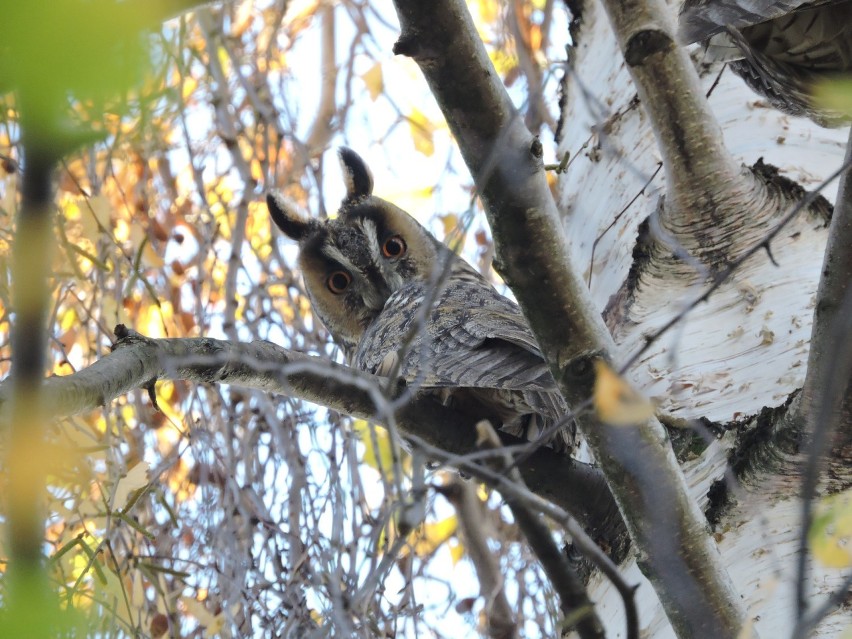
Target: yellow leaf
(422, 132)
(199, 611)
(256, 169)
(215, 626)
(503, 61)
(189, 86)
(377, 446)
(95, 216)
(489, 10)
(450, 222)
(535, 37)
(615, 401)
(136, 478)
(830, 535)
(110, 311)
(137, 591)
(456, 552)
(429, 537)
(67, 318)
(374, 80)
(151, 258)
(242, 20)
(153, 320)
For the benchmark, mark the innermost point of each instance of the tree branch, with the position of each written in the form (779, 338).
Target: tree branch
(826, 400)
(699, 169)
(578, 610)
(500, 620)
(321, 129)
(138, 361)
(532, 255)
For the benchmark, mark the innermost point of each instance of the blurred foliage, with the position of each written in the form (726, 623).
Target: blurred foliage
(228, 512)
(830, 535)
(616, 401)
(836, 95)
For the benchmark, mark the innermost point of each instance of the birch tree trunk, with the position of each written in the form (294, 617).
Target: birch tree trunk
(736, 361)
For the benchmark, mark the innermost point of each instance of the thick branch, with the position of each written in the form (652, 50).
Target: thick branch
(699, 169)
(666, 525)
(834, 288)
(826, 401)
(138, 361)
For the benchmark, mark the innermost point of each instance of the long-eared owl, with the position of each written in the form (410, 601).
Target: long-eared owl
(402, 303)
(781, 48)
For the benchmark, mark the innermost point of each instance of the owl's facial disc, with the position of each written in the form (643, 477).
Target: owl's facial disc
(369, 260)
(377, 262)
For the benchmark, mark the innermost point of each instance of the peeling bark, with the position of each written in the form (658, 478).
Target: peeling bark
(738, 359)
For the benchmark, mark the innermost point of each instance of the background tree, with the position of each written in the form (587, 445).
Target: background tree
(216, 509)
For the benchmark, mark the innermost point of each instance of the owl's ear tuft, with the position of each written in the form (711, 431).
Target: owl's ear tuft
(359, 180)
(288, 219)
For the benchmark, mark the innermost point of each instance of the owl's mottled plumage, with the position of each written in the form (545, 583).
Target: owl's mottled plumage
(403, 304)
(781, 48)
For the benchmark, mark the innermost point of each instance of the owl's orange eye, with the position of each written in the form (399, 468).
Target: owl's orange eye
(394, 246)
(338, 281)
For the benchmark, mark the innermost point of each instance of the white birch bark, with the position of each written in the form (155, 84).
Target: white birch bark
(744, 350)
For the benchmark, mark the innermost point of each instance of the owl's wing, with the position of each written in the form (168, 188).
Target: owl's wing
(474, 343)
(483, 347)
(474, 337)
(781, 48)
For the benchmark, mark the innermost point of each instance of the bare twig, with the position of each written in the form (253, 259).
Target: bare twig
(500, 618)
(500, 482)
(229, 133)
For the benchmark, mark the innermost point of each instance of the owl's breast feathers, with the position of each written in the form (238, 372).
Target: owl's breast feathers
(474, 345)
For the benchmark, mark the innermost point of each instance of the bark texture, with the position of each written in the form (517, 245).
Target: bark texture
(505, 161)
(737, 360)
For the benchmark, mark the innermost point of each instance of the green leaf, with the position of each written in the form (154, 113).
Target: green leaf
(59, 52)
(835, 95)
(31, 610)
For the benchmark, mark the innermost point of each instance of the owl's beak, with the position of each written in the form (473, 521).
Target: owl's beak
(379, 290)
